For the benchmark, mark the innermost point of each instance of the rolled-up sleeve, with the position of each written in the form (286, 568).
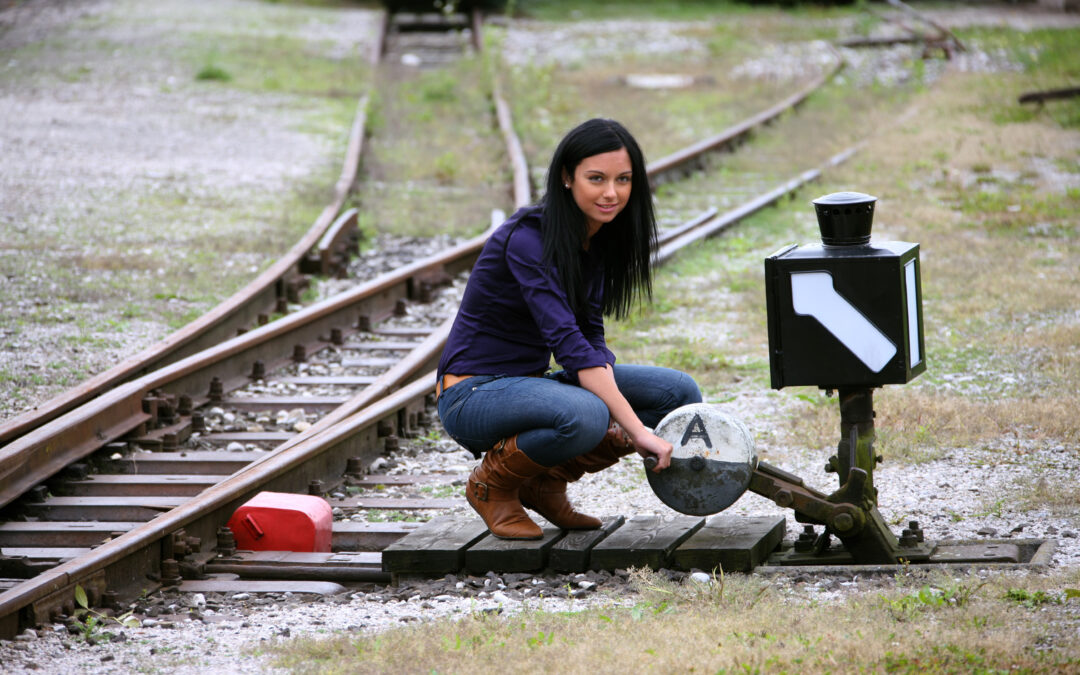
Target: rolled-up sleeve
(550, 310)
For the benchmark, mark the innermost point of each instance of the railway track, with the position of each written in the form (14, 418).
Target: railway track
(137, 474)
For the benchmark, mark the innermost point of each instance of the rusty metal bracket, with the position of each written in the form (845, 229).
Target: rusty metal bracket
(851, 511)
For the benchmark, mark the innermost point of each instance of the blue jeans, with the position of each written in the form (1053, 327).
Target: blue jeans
(554, 419)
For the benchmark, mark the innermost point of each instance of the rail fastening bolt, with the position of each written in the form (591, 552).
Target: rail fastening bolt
(843, 522)
(226, 542)
(783, 498)
(217, 390)
(170, 572)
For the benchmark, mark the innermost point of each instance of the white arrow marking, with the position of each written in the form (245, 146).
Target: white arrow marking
(812, 294)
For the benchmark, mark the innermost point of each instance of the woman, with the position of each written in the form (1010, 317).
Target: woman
(541, 286)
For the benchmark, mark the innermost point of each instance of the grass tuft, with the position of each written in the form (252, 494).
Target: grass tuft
(213, 73)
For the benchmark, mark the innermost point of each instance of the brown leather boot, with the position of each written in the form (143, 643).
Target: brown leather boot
(546, 493)
(493, 486)
(607, 453)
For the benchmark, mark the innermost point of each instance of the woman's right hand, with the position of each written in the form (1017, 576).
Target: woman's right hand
(649, 444)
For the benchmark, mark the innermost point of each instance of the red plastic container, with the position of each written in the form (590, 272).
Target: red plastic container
(276, 521)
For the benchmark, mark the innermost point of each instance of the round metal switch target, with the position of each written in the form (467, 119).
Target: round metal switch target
(711, 464)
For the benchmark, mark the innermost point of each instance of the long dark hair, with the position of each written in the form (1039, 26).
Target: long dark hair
(625, 244)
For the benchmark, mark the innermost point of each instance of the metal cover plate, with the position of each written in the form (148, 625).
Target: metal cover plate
(711, 464)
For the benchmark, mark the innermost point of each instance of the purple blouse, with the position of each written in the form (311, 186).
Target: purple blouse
(514, 314)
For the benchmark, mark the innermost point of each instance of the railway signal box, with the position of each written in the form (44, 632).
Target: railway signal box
(846, 312)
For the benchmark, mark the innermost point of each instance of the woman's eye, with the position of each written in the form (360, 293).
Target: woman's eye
(624, 179)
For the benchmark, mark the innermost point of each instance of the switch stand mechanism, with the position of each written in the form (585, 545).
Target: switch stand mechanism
(850, 513)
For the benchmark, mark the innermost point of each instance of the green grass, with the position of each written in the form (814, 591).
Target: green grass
(435, 162)
(214, 73)
(277, 63)
(736, 624)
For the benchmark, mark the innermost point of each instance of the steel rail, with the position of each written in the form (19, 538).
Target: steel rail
(238, 311)
(342, 429)
(241, 309)
(347, 429)
(712, 222)
(682, 160)
(34, 457)
(519, 165)
(126, 558)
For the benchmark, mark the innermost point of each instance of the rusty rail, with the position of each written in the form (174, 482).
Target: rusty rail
(129, 556)
(349, 431)
(712, 222)
(31, 459)
(238, 311)
(1049, 95)
(686, 158)
(518, 163)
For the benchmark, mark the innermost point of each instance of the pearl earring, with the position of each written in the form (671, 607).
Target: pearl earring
(566, 185)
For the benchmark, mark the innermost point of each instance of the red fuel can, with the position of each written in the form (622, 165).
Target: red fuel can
(276, 521)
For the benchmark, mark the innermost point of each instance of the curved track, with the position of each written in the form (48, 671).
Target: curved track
(379, 341)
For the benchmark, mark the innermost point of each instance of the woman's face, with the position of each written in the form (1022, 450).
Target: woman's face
(601, 187)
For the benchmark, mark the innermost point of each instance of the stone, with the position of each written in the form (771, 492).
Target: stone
(235, 447)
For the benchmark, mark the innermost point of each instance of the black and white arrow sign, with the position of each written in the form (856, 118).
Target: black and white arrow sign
(813, 294)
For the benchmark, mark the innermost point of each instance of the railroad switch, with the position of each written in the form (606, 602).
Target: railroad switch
(846, 316)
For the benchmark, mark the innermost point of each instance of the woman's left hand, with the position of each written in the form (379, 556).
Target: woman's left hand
(649, 444)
